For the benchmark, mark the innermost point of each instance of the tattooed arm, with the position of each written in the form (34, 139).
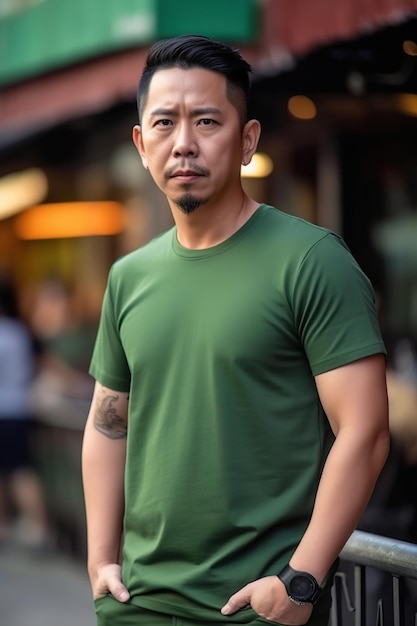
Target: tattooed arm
(103, 464)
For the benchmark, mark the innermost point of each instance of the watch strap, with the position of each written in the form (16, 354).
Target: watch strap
(288, 573)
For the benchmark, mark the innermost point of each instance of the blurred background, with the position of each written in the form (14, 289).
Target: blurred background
(335, 88)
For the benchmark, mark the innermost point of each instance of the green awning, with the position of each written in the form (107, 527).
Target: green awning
(38, 36)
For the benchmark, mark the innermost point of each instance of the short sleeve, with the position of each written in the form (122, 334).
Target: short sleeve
(108, 364)
(334, 307)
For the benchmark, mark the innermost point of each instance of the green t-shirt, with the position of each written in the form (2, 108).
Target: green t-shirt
(226, 434)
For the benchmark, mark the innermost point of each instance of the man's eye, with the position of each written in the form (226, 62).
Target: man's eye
(206, 121)
(163, 122)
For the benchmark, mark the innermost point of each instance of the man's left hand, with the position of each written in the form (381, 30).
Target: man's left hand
(269, 599)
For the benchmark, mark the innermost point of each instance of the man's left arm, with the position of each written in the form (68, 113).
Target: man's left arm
(354, 398)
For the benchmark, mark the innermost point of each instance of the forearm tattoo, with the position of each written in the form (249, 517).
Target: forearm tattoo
(107, 420)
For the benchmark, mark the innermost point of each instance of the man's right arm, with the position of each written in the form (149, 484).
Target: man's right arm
(103, 466)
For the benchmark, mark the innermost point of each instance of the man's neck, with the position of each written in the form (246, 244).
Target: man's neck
(210, 225)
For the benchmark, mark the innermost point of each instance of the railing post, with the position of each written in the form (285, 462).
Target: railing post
(336, 610)
(397, 597)
(360, 595)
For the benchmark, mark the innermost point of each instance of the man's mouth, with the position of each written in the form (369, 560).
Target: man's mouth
(186, 174)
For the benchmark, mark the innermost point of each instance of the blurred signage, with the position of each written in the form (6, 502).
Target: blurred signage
(37, 36)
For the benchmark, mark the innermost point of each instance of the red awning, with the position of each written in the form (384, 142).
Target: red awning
(69, 93)
(299, 26)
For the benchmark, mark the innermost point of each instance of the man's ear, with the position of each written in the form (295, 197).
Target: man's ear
(250, 139)
(137, 140)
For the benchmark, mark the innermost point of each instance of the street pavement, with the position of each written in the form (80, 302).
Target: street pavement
(43, 590)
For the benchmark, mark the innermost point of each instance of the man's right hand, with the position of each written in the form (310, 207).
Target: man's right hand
(108, 579)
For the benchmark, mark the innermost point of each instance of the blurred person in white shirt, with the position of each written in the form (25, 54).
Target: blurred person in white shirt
(23, 513)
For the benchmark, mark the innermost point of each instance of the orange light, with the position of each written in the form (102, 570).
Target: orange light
(410, 47)
(70, 219)
(407, 104)
(302, 108)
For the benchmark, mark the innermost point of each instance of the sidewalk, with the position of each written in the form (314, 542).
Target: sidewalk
(43, 590)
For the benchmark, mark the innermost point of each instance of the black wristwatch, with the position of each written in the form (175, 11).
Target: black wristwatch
(301, 586)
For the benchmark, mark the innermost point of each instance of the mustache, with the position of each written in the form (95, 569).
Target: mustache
(186, 165)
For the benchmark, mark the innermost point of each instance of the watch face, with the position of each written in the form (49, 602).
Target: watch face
(301, 588)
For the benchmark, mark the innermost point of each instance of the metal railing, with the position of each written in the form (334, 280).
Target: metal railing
(374, 584)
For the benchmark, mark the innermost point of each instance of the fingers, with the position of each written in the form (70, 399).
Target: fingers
(109, 581)
(237, 601)
(119, 591)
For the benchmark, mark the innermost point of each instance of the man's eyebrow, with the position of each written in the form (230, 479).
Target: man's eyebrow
(207, 111)
(198, 111)
(156, 112)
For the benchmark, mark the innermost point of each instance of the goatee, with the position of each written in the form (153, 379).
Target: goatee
(189, 203)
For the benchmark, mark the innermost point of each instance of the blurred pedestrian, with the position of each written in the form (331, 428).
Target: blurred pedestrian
(23, 514)
(65, 344)
(239, 419)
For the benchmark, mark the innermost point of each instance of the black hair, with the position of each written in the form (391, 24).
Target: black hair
(188, 51)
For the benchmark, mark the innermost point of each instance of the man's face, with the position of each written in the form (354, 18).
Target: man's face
(190, 138)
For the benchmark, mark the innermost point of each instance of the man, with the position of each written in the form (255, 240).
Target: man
(239, 419)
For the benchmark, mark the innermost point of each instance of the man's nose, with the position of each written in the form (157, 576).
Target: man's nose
(185, 143)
